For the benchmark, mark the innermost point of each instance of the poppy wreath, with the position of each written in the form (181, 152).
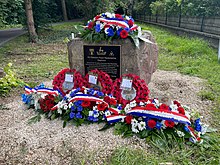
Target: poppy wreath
(138, 84)
(60, 78)
(104, 79)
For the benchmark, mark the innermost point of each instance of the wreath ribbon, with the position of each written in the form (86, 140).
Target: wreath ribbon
(114, 22)
(29, 90)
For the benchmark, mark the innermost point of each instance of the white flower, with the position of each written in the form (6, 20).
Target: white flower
(59, 111)
(141, 103)
(109, 15)
(123, 120)
(94, 107)
(107, 113)
(127, 108)
(90, 113)
(204, 128)
(187, 114)
(70, 104)
(134, 122)
(163, 124)
(148, 102)
(180, 133)
(134, 129)
(43, 95)
(173, 107)
(141, 126)
(127, 18)
(156, 102)
(139, 31)
(106, 32)
(85, 91)
(96, 114)
(65, 107)
(133, 104)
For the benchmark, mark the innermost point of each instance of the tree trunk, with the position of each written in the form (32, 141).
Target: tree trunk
(64, 10)
(30, 21)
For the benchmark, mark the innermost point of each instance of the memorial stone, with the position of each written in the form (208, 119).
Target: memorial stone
(141, 61)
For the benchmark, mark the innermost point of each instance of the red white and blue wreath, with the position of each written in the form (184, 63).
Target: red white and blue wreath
(103, 81)
(59, 80)
(138, 85)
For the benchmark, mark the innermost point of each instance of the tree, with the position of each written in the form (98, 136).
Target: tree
(30, 21)
(63, 3)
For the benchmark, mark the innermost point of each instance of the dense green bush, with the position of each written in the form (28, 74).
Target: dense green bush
(9, 81)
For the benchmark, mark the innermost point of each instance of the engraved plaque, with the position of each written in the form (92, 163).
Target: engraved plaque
(103, 57)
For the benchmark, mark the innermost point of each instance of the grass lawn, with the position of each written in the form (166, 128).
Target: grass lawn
(35, 63)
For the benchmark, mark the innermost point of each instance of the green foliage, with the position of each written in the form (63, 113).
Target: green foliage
(11, 12)
(188, 7)
(9, 81)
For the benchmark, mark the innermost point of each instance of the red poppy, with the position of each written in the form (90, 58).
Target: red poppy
(123, 34)
(101, 107)
(164, 106)
(181, 110)
(128, 119)
(113, 102)
(86, 104)
(90, 25)
(107, 99)
(118, 16)
(97, 17)
(150, 106)
(169, 124)
(130, 23)
(151, 123)
(177, 103)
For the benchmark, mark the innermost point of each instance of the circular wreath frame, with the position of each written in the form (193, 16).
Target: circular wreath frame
(142, 91)
(104, 79)
(60, 78)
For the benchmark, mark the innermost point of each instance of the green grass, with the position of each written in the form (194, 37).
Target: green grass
(192, 57)
(40, 62)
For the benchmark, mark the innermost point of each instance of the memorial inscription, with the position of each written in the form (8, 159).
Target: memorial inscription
(105, 58)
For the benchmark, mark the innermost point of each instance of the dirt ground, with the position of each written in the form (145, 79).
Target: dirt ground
(46, 142)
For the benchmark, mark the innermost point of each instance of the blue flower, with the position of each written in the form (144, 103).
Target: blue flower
(158, 125)
(186, 129)
(78, 103)
(91, 91)
(127, 29)
(198, 126)
(79, 108)
(78, 115)
(73, 108)
(118, 32)
(26, 98)
(95, 112)
(119, 107)
(100, 93)
(90, 118)
(72, 115)
(98, 28)
(95, 119)
(110, 32)
(65, 98)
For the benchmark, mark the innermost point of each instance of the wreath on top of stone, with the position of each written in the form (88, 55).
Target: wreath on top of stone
(108, 26)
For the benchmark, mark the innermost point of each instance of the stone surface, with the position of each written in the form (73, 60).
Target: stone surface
(141, 61)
